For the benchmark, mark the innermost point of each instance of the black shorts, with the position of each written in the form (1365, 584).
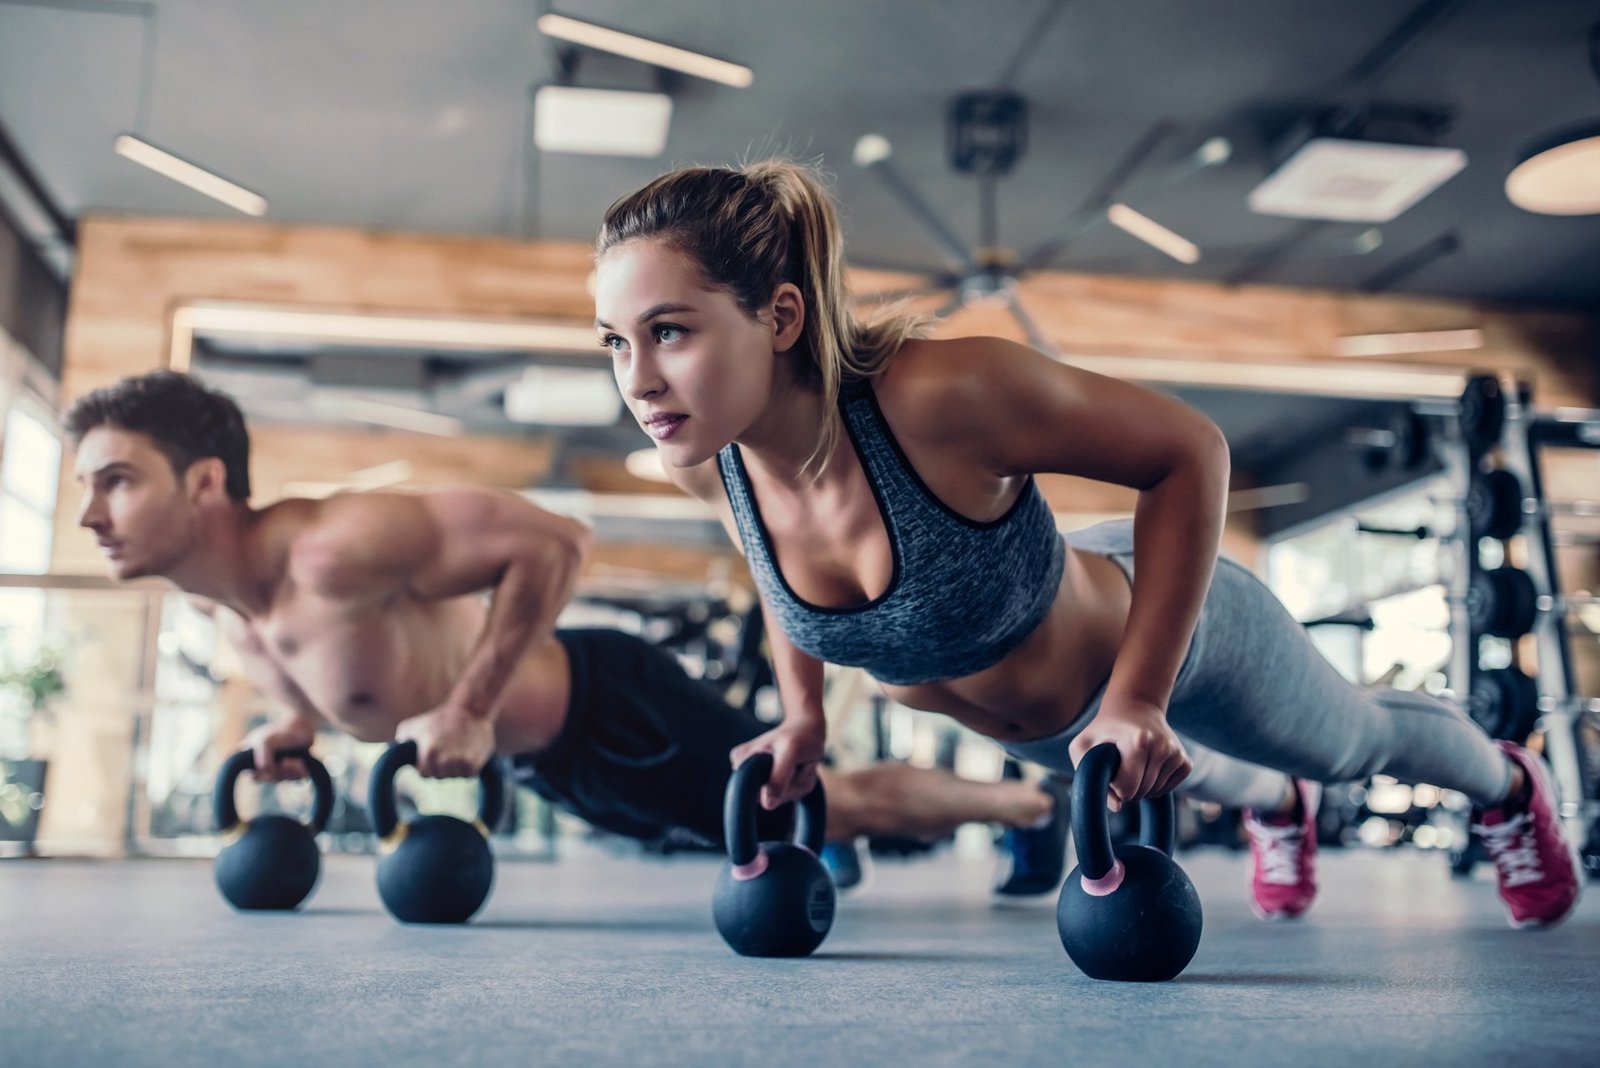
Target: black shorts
(645, 747)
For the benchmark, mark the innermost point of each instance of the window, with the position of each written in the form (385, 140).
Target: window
(30, 468)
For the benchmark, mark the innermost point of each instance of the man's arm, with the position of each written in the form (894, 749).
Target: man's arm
(448, 543)
(296, 724)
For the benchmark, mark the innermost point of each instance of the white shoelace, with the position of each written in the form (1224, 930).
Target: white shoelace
(1279, 851)
(1514, 853)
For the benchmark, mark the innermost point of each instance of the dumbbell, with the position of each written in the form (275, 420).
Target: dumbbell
(1504, 702)
(1494, 504)
(1482, 414)
(1497, 504)
(1402, 442)
(1502, 601)
(1494, 509)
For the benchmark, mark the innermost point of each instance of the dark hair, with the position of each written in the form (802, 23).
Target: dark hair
(750, 230)
(186, 420)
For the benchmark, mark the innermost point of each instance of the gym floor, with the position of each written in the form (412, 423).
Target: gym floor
(604, 959)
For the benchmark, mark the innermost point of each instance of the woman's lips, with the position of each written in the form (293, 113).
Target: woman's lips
(662, 427)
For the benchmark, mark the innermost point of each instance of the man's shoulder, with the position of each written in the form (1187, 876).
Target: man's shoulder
(285, 524)
(311, 543)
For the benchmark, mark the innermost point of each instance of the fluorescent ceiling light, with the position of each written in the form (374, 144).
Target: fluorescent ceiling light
(183, 172)
(1416, 341)
(600, 122)
(368, 411)
(1153, 233)
(1562, 177)
(645, 50)
(870, 149)
(646, 464)
(1354, 181)
(563, 396)
(1213, 151)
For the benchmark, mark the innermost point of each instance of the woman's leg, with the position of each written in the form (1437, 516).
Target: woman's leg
(1256, 688)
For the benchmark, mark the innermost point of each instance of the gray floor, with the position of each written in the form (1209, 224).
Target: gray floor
(613, 960)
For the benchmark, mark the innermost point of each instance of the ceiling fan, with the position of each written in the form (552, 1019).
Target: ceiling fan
(987, 136)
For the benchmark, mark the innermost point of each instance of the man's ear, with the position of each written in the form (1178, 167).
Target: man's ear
(207, 479)
(788, 316)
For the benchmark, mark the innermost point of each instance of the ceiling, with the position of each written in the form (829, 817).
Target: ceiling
(413, 114)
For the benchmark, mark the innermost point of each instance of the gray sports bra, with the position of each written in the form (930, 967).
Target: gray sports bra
(962, 594)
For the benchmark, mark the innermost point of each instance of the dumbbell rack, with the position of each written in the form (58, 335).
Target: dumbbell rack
(1503, 700)
(1560, 704)
(1560, 708)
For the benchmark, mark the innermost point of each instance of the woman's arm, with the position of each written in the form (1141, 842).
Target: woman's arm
(798, 743)
(1023, 413)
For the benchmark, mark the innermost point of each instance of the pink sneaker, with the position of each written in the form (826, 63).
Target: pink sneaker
(1283, 877)
(1538, 867)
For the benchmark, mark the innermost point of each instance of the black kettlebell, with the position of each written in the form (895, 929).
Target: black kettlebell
(434, 869)
(774, 899)
(270, 862)
(1131, 915)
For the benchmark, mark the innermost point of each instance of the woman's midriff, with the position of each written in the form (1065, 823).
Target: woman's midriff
(1043, 684)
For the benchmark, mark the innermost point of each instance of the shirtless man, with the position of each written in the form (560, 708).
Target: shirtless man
(360, 612)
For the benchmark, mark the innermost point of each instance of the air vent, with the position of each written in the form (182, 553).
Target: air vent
(1354, 181)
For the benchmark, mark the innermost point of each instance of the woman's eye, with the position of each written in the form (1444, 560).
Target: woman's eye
(610, 342)
(662, 333)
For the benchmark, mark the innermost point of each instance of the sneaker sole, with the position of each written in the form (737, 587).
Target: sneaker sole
(1572, 852)
(1277, 917)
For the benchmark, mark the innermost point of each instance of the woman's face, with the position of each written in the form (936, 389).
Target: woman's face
(693, 367)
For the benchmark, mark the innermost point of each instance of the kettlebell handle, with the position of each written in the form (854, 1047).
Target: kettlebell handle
(739, 811)
(1091, 830)
(222, 799)
(380, 789)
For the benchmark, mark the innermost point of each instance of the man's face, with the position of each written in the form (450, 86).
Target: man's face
(138, 508)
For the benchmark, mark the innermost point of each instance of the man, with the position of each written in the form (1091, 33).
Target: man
(359, 612)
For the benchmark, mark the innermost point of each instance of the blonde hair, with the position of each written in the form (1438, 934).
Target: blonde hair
(753, 228)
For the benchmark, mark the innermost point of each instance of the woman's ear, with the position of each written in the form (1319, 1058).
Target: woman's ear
(788, 316)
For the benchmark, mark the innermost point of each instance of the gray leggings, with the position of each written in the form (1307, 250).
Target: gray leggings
(1255, 700)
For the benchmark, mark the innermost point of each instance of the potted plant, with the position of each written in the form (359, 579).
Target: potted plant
(27, 685)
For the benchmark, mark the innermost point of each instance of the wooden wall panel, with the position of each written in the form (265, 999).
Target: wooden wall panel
(133, 271)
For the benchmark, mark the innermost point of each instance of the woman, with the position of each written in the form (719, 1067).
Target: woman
(881, 487)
